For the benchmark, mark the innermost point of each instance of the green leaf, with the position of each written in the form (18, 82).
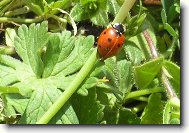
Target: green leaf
(163, 16)
(113, 113)
(8, 110)
(63, 57)
(100, 18)
(145, 73)
(18, 102)
(166, 113)
(74, 58)
(62, 4)
(172, 9)
(170, 30)
(88, 108)
(113, 6)
(9, 36)
(171, 115)
(125, 76)
(89, 83)
(133, 52)
(136, 47)
(126, 116)
(11, 69)
(93, 10)
(58, 48)
(78, 14)
(39, 103)
(35, 5)
(108, 100)
(166, 5)
(119, 75)
(175, 121)
(66, 115)
(29, 44)
(153, 112)
(119, 114)
(7, 75)
(172, 71)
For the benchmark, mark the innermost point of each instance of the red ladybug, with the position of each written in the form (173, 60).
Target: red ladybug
(110, 41)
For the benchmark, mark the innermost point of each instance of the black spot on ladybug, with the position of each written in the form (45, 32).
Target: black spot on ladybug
(104, 32)
(109, 40)
(119, 45)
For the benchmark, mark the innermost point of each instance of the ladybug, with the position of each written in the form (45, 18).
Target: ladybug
(110, 41)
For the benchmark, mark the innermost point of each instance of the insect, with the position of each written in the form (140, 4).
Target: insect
(110, 41)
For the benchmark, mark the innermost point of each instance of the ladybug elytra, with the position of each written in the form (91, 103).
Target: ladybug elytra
(110, 41)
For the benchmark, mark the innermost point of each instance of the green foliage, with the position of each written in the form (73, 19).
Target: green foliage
(171, 114)
(93, 9)
(29, 44)
(56, 69)
(172, 71)
(153, 112)
(145, 73)
(40, 61)
(88, 108)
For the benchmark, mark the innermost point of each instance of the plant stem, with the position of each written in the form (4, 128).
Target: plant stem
(20, 20)
(169, 90)
(143, 92)
(142, 98)
(150, 44)
(123, 11)
(6, 7)
(138, 108)
(4, 2)
(7, 50)
(18, 11)
(70, 90)
(9, 89)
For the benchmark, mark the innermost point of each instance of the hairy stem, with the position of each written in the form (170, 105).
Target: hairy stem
(70, 90)
(169, 90)
(150, 44)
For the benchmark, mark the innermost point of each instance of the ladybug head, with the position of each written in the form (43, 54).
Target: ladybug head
(119, 27)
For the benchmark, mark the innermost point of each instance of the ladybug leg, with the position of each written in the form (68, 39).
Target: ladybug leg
(95, 44)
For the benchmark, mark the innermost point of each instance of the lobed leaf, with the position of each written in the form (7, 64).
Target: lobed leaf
(40, 102)
(29, 44)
